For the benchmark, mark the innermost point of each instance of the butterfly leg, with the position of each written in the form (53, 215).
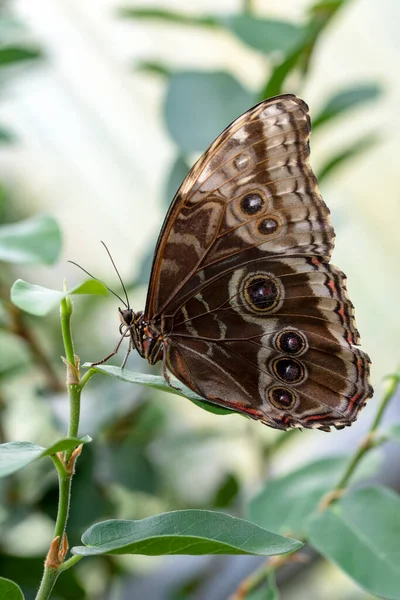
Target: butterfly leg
(166, 374)
(127, 353)
(103, 360)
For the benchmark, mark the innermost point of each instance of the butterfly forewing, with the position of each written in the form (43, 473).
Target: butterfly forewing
(251, 313)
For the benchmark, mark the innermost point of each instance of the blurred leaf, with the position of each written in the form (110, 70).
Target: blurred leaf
(159, 383)
(227, 491)
(17, 455)
(200, 105)
(274, 85)
(191, 532)
(353, 151)
(38, 300)
(34, 241)
(326, 8)
(268, 592)
(153, 67)
(285, 503)
(86, 508)
(265, 35)
(14, 354)
(9, 55)
(393, 433)
(167, 16)
(179, 170)
(127, 464)
(10, 590)
(361, 533)
(320, 15)
(28, 572)
(345, 100)
(262, 34)
(6, 137)
(3, 196)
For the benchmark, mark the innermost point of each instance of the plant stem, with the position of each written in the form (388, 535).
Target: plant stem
(48, 580)
(85, 378)
(73, 384)
(393, 384)
(54, 563)
(69, 563)
(369, 441)
(265, 572)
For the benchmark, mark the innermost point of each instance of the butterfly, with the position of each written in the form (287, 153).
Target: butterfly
(243, 305)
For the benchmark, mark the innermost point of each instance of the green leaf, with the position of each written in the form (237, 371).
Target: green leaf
(9, 55)
(227, 492)
(268, 592)
(153, 67)
(6, 137)
(285, 503)
(320, 14)
(34, 241)
(159, 383)
(179, 170)
(345, 100)
(39, 301)
(191, 532)
(393, 433)
(167, 16)
(265, 35)
(347, 154)
(199, 106)
(274, 85)
(10, 590)
(361, 534)
(14, 456)
(126, 463)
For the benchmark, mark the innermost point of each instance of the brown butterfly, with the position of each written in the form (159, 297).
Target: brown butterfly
(243, 305)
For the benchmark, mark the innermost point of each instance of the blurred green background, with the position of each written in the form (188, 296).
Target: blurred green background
(103, 107)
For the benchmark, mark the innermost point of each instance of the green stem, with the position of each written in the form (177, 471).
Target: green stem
(46, 586)
(64, 486)
(85, 378)
(69, 563)
(369, 441)
(65, 316)
(54, 564)
(266, 572)
(391, 390)
(73, 384)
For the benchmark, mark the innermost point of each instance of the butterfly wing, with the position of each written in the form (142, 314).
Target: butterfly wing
(257, 168)
(253, 315)
(288, 358)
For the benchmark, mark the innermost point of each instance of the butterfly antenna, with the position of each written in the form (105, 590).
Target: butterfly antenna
(96, 279)
(117, 272)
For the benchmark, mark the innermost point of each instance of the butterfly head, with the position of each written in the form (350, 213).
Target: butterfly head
(126, 316)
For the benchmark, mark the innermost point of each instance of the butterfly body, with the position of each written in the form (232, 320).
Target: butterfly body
(243, 305)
